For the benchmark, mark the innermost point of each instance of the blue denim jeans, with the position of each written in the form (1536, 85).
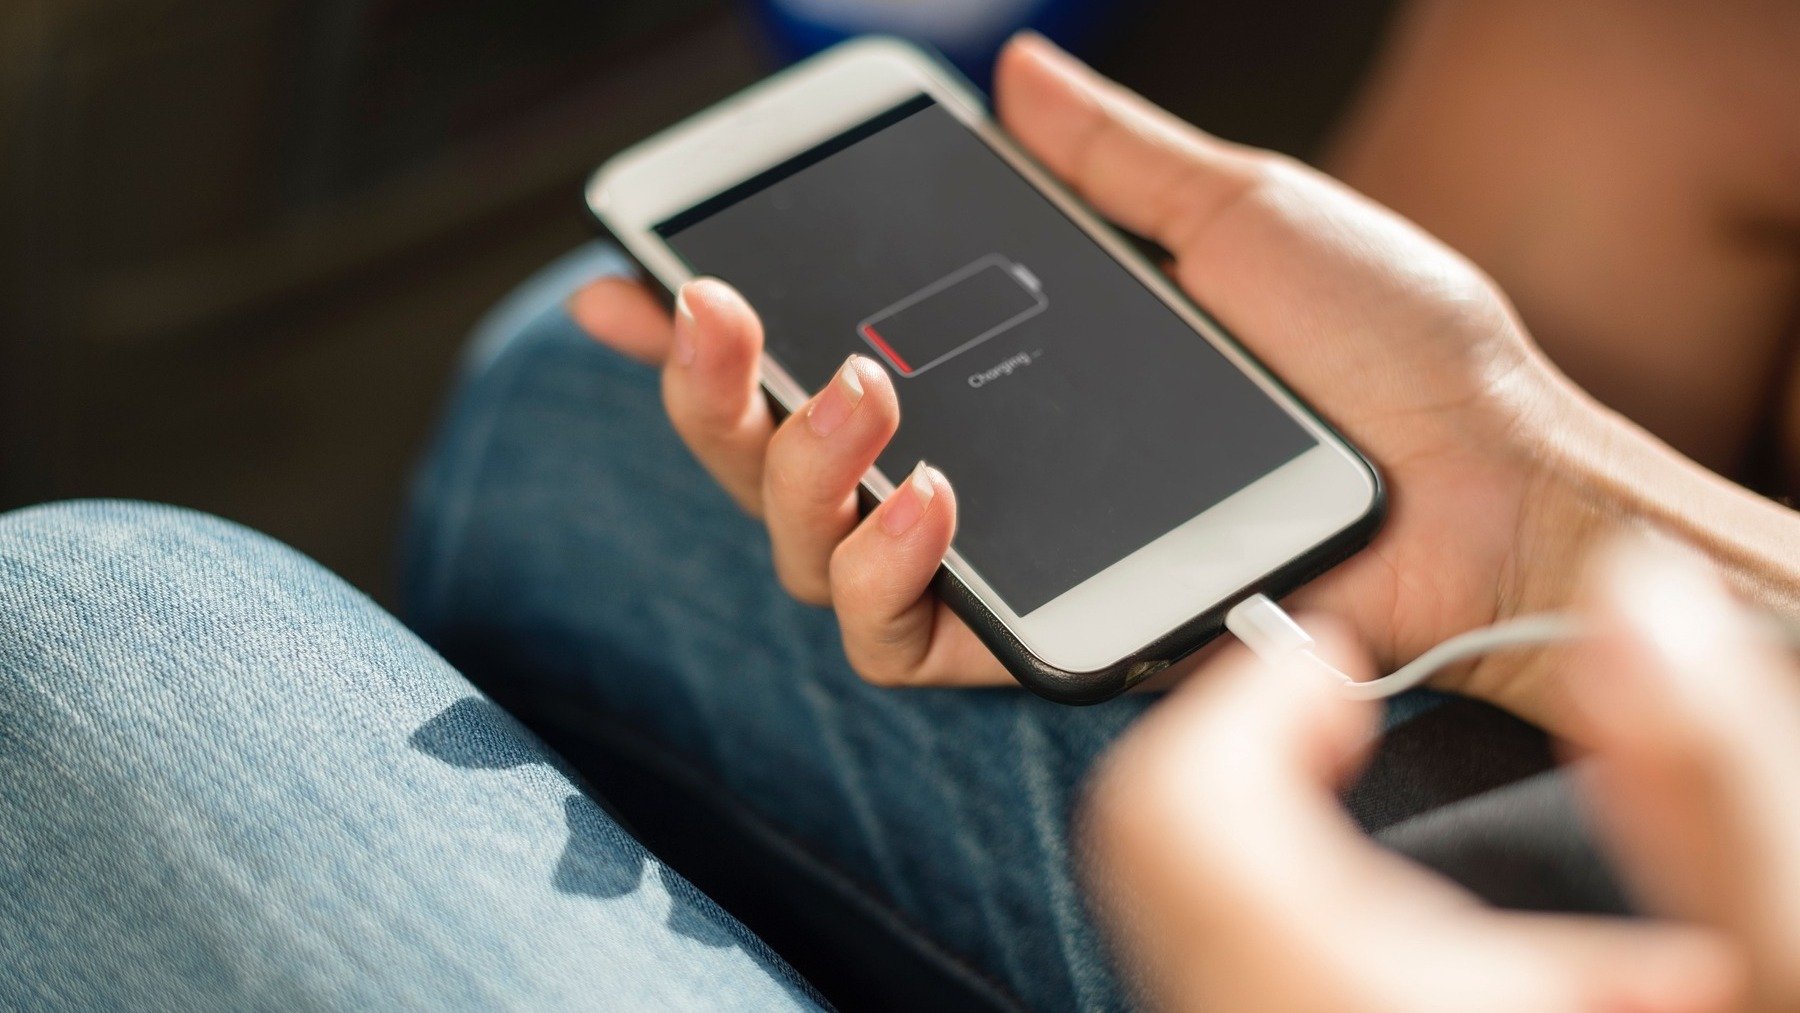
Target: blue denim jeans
(231, 782)
(227, 780)
(571, 557)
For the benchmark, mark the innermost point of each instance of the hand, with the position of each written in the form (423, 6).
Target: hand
(1233, 880)
(1398, 340)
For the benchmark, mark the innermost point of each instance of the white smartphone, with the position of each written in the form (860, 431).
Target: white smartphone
(1125, 472)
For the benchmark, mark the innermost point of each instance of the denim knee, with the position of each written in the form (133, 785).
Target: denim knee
(112, 601)
(83, 572)
(228, 780)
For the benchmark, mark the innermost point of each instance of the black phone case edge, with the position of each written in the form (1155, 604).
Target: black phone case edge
(1101, 685)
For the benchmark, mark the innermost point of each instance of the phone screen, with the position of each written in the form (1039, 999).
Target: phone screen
(1077, 416)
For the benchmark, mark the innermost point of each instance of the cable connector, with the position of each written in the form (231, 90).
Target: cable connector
(1266, 628)
(1274, 636)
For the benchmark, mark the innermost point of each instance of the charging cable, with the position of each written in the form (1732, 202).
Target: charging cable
(1274, 636)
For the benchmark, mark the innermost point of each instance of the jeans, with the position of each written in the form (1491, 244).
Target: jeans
(231, 782)
(569, 555)
(227, 780)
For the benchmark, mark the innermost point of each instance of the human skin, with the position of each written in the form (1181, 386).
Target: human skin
(1505, 476)
(1231, 878)
(1502, 472)
(1629, 172)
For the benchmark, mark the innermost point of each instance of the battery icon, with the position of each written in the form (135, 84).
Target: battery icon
(953, 314)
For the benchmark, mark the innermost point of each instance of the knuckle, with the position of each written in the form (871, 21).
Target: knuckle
(704, 407)
(875, 658)
(789, 477)
(855, 587)
(876, 672)
(868, 666)
(840, 571)
(803, 586)
(780, 483)
(1188, 206)
(784, 472)
(703, 434)
(878, 675)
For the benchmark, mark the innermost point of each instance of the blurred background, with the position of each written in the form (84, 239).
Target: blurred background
(241, 241)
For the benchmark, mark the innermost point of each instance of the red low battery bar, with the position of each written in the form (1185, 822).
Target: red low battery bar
(953, 314)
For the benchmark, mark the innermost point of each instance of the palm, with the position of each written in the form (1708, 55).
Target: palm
(1416, 357)
(1394, 338)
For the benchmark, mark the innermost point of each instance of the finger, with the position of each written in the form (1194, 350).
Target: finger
(710, 387)
(896, 633)
(1220, 856)
(1693, 719)
(1213, 841)
(1135, 163)
(622, 314)
(1540, 961)
(1266, 745)
(812, 468)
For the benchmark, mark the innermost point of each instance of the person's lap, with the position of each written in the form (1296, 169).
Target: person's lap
(233, 781)
(283, 798)
(239, 779)
(570, 556)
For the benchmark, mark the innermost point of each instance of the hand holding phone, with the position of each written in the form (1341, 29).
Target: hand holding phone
(1395, 338)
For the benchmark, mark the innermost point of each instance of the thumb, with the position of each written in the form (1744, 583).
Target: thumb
(1135, 163)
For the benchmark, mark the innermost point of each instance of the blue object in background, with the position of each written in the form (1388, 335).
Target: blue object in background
(968, 32)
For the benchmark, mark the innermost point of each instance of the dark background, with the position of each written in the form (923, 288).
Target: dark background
(241, 242)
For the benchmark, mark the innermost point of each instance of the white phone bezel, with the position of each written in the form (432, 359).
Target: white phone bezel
(1197, 567)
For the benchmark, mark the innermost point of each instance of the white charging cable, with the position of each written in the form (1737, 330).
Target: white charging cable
(1274, 636)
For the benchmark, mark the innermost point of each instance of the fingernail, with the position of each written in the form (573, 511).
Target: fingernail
(684, 327)
(835, 403)
(910, 501)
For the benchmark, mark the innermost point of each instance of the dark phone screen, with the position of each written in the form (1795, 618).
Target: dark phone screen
(1077, 416)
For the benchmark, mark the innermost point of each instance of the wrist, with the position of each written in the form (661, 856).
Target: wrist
(1592, 478)
(1585, 471)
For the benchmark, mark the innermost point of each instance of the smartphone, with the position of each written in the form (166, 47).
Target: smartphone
(1125, 472)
